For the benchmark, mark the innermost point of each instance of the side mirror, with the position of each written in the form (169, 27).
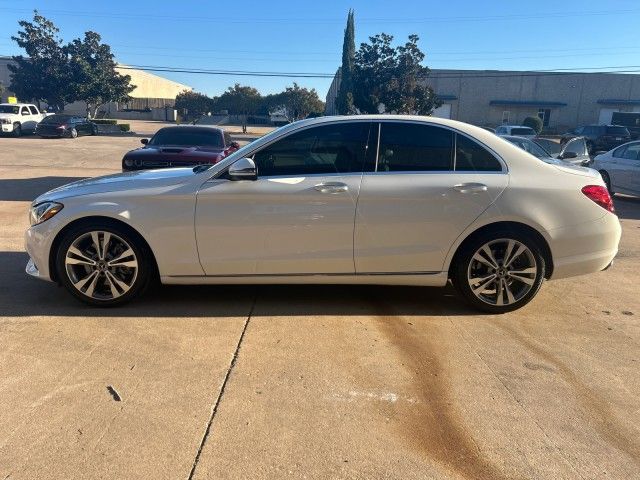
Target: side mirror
(144, 141)
(567, 155)
(243, 169)
(234, 145)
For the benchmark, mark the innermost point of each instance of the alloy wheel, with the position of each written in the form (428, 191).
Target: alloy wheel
(101, 265)
(502, 272)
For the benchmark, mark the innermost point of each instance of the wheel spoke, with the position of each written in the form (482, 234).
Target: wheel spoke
(106, 237)
(118, 261)
(510, 298)
(96, 244)
(123, 286)
(73, 250)
(80, 284)
(523, 279)
(479, 285)
(507, 253)
(521, 249)
(499, 299)
(114, 291)
(487, 251)
(483, 260)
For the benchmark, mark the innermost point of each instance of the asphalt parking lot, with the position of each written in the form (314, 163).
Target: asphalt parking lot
(308, 382)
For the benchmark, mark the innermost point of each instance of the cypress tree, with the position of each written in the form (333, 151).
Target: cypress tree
(344, 99)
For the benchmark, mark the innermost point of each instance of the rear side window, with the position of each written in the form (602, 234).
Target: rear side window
(34, 110)
(522, 131)
(473, 157)
(339, 148)
(617, 131)
(411, 147)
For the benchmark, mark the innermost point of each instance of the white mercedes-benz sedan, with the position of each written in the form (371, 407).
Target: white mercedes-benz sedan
(381, 199)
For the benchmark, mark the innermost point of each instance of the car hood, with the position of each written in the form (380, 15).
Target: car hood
(143, 179)
(161, 150)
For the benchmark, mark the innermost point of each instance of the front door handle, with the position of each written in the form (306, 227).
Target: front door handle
(331, 187)
(470, 187)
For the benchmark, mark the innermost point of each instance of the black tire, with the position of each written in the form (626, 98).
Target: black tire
(607, 181)
(17, 130)
(145, 274)
(73, 133)
(464, 264)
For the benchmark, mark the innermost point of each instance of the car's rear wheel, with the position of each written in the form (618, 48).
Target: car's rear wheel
(607, 181)
(500, 271)
(73, 133)
(103, 264)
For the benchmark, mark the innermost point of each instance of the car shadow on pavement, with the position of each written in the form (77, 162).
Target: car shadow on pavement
(23, 296)
(627, 207)
(27, 189)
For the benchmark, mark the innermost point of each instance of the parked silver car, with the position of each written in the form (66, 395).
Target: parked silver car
(380, 199)
(620, 168)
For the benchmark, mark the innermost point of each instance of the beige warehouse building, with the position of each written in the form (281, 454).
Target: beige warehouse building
(151, 92)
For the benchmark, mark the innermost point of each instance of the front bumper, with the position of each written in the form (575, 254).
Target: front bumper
(37, 246)
(7, 128)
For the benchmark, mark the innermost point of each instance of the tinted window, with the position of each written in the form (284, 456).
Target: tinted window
(33, 110)
(339, 148)
(56, 119)
(410, 147)
(549, 145)
(187, 137)
(522, 131)
(617, 131)
(578, 146)
(471, 156)
(25, 111)
(526, 145)
(9, 109)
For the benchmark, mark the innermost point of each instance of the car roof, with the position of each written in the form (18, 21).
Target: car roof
(207, 128)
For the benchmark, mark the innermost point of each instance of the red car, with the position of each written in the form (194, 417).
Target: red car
(181, 146)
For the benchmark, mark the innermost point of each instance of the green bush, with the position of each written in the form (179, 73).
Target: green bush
(534, 123)
(104, 121)
(124, 127)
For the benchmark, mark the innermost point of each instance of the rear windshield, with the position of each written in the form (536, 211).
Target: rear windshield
(187, 137)
(522, 131)
(9, 109)
(529, 146)
(56, 119)
(617, 131)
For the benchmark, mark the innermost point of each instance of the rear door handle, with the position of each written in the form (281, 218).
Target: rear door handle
(470, 187)
(331, 187)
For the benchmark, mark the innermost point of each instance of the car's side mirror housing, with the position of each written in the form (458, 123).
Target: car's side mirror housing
(144, 141)
(234, 145)
(243, 169)
(566, 155)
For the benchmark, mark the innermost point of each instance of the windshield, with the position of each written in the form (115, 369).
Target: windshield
(529, 146)
(56, 119)
(522, 131)
(188, 137)
(9, 109)
(617, 131)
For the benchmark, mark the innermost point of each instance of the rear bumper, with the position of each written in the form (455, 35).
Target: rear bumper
(585, 248)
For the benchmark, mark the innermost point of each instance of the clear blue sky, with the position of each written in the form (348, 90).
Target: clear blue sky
(305, 36)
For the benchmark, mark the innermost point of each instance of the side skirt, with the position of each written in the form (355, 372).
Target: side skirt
(427, 279)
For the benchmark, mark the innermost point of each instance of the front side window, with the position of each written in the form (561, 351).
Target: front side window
(34, 110)
(632, 152)
(473, 157)
(25, 111)
(411, 147)
(326, 149)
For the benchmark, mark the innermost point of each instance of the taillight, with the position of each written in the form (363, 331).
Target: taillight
(600, 195)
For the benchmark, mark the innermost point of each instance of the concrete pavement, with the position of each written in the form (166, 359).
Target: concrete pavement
(309, 381)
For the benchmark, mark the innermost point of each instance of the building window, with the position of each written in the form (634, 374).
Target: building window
(505, 117)
(544, 114)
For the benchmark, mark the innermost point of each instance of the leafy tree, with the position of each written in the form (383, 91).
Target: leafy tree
(299, 102)
(42, 75)
(392, 78)
(196, 104)
(344, 99)
(240, 100)
(533, 122)
(94, 78)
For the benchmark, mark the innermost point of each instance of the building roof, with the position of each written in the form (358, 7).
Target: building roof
(527, 103)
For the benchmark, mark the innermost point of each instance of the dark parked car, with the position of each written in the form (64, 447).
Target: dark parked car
(574, 150)
(181, 146)
(600, 137)
(69, 126)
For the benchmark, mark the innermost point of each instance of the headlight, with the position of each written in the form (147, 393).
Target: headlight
(43, 212)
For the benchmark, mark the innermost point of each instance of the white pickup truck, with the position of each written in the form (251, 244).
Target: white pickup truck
(19, 118)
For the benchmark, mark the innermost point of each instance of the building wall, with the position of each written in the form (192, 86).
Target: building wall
(470, 94)
(151, 90)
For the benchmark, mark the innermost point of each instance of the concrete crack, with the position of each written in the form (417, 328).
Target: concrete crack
(216, 404)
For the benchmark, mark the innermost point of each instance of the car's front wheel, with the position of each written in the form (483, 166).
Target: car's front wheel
(73, 133)
(103, 264)
(499, 271)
